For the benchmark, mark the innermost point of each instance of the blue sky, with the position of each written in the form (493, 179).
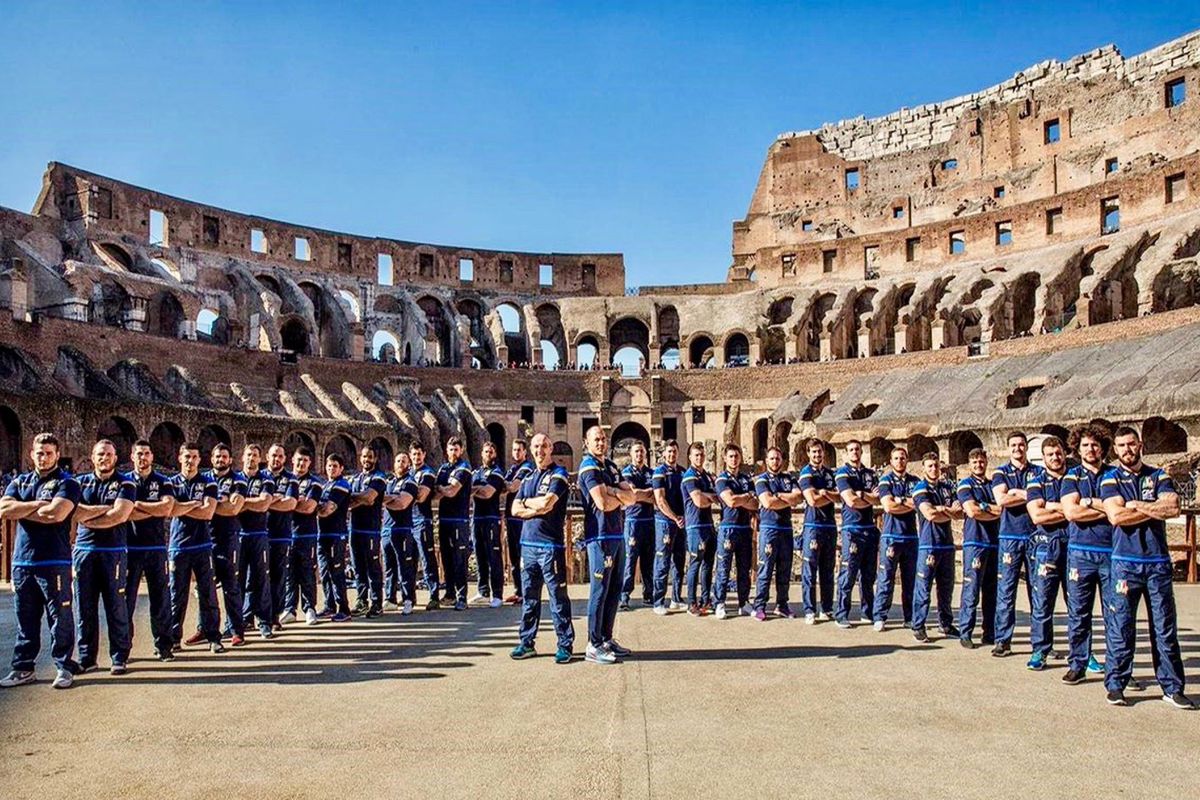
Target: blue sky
(630, 127)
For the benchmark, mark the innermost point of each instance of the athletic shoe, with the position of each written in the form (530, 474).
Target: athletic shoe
(1136, 684)
(1117, 698)
(746, 611)
(1036, 662)
(675, 605)
(164, 655)
(967, 643)
(1053, 654)
(760, 615)
(18, 677)
(63, 679)
(623, 605)
(987, 641)
(237, 640)
(118, 668)
(265, 632)
(195, 639)
(1002, 649)
(310, 617)
(521, 652)
(391, 605)
(563, 656)
(843, 624)
(825, 616)
(83, 669)
(374, 611)
(785, 612)
(433, 604)
(721, 611)
(216, 647)
(1179, 700)
(288, 618)
(920, 635)
(952, 631)
(661, 611)
(341, 616)
(878, 626)
(810, 619)
(907, 625)
(460, 606)
(613, 647)
(695, 611)
(1093, 665)
(599, 655)
(495, 602)
(475, 598)
(406, 609)
(1073, 676)
(514, 600)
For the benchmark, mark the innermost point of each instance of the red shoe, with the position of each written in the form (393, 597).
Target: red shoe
(195, 639)
(237, 640)
(514, 600)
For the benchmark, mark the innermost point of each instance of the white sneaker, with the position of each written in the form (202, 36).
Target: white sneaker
(388, 605)
(676, 606)
(878, 626)
(406, 609)
(18, 677)
(599, 655)
(844, 624)
(721, 611)
(288, 618)
(826, 616)
(661, 611)
(63, 679)
(310, 617)
(496, 602)
(475, 598)
(746, 611)
(810, 619)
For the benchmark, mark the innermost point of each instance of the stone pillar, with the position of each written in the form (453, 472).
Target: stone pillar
(358, 342)
(937, 334)
(864, 341)
(1083, 311)
(719, 354)
(755, 350)
(604, 353)
(791, 347)
(655, 355)
(826, 346)
(501, 355)
(901, 337)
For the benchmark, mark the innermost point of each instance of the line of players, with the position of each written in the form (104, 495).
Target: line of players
(263, 534)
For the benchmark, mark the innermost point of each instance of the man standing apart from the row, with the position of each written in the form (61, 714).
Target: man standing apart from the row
(857, 484)
(604, 494)
(735, 490)
(454, 524)
(639, 528)
(520, 469)
(41, 503)
(778, 494)
(670, 544)
(981, 531)
(1009, 483)
(541, 505)
(487, 490)
(699, 500)
(938, 506)
(153, 504)
(818, 544)
(1044, 494)
(1138, 499)
(898, 545)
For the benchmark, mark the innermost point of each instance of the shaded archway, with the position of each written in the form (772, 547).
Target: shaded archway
(385, 347)
(631, 360)
(700, 351)
(880, 452)
(212, 327)
(623, 437)
(165, 316)
(110, 304)
(918, 445)
(165, 440)
(344, 446)
(499, 437)
(384, 453)
(208, 438)
(586, 350)
(668, 328)
(296, 439)
(630, 332)
(294, 336)
(122, 434)
(438, 342)
(10, 440)
(1160, 435)
(550, 322)
(737, 350)
(961, 445)
(817, 324)
(1024, 303)
(564, 455)
(759, 439)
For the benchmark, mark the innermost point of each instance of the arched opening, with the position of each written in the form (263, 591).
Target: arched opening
(564, 455)
(384, 453)
(624, 436)
(438, 349)
(114, 255)
(512, 320)
(550, 357)
(630, 332)
(331, 318)
(385, 347)
(668, 329)
(586, 351)
(110, 304)
(880, 452)
(208, 438)
(122, 434)
(918, 445)
(773, 346)
(165, 316)
(212, 327)
(344, 446)
(499, 437)
(961, 445)
(817, 324)
(10, 441)
(817, 406)
(700, 352)
(670, 358)
(759, 438)
(294, 336)
(481, 350)
(550, 323)
(864, 306)
(1024, 303)
(165, 440)
(737, 350)
(350, 303)
(780, 310)
(631, 361)
(1160, 435)
(863, 410)
(297, 439)
(779, 438)
(1057, 430)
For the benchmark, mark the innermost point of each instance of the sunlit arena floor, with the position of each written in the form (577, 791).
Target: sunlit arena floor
(431, 706)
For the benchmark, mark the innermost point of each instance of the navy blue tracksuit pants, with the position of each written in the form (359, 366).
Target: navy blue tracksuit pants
(545, 564)
(818, 555)
(455, 540)
(43, 588)
(979, 586)
(423, 532)
(400, 565)
(367, 561)
(1050, 570)
(254, 576)
(331, 562)
(150, 562)
(860, 550)
(702, 551)
(1131, 581)
(733, 550)
(895, 554)
(100, 578)
(226, 555)
(934, 564)
(512, 538)
(1089, 569)
(670, 552)
(279, 558)
(774, 562)
(639, 554)
(1015, 555)
(194, 562)
(300, 594)
(489, 558)
(606, 563)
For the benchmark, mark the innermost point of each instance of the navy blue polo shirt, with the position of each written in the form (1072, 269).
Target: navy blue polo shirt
(305, 487)
(150, 534)
(229, 484)
(899, 527)
(97, 491)
(668, 479)
(279, 523)
(425, 478)
(934, 535)
(1014, 520)
(599, 524)
(819, 478)
(189, 534)
(400, 521)
(1045, 486)
(455, 509)
(1097, 535)
(487, 509)
(639, 478)
(517, 472)
(369, 518)
(260, 482)
(337, 492)
(695, 517)
(978, 533)
(1145, 542)
(546, 530)
(739, 483)
(860, 479)
(43, 544)
(776, 483)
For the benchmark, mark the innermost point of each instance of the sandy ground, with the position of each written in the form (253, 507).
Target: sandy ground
(431, 706)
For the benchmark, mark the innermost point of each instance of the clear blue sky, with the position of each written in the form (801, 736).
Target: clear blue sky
(612, 126)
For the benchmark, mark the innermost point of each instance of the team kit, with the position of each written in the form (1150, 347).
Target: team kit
(253, 544)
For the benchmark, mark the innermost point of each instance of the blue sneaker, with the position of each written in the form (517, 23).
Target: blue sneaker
(521, 652)
(562, 656)
(1094, 665)
(1036, 662)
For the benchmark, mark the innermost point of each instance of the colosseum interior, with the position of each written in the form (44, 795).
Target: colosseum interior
(1021, 257)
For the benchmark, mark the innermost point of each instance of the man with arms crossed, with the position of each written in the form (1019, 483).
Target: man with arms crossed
(898, 545)
(520, 469)
(670, 544)
(153, 502)
(735, 490)
(639, 528)
(190, 551)
(857, 484)
(818, 544)
(981, 531)
(1008, 484)
(938, 505)
(778, 494)
(487, 490)
(1044, 504)
(226, 545)
(301, 589)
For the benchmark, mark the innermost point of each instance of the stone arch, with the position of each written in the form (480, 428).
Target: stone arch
(1022, 304)
(110, 304)
(564, 455)
(208, 438)
(1057, 430)
(550, 322)
(700, 350)
(332, 323)
(630, 332)
(818, 321)
(384, 452)
(165, 441)
(1160, 435)
(737, 349)
(773, 345)
(212, 327)
(880, 452)
(919, 444)
(298, 439)
(438, 335)
(165, 315)
(589, 356)
(623, 437)
(10, 440)
(114, 255)
(481, 342)
(668, 328)
(385, 347)
(294, 336)
(344, 446)
(961, 443)
(864, 307)
(350, 305)
(122, 434)
(499, 437)
(779, 437)
(758, 439)
(780, 310)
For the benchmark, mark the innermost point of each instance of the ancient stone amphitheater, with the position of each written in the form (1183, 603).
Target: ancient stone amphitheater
(1025, 256)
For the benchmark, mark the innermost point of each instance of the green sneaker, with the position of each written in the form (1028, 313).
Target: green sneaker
(563, 656)
(522, 652)
(1094, 665)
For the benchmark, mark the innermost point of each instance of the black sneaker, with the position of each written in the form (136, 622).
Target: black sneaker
(623, 605)
(967, 643)
(1073, 676)
(1117, 698)
(1179, 700)
(164, 655)
(1002, 649)
(374, 611)
(920, 635)
(216, 647)
(987, 641)
(433, 604)
(952, 631)
(118, 668)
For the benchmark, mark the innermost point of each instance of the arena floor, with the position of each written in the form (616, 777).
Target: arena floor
(431, 706)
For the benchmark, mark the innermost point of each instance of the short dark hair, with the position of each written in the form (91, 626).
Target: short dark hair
(335, 458)
(521, 442)
(670, 443)
(854, 441)
(776, 449)
(977, 452)
(415, 444)
(108, 442)
(192, 446)
(931, 456)
(1017, 435)
(1097, 433)
(219, 446)
(1052, 441)
(143, 443)
(46, 438)
(814, 442)
(252, 446)
(303, 450)
(898, 449)
(1125, 430)
(280, 445)
(696, 446)
(454, 441)
(732, 448)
